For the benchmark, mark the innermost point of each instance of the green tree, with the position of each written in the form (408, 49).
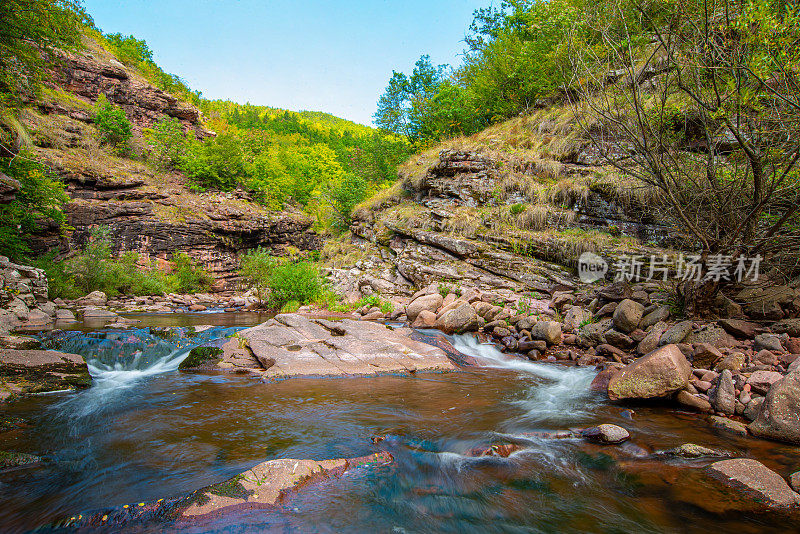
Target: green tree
(342, 195)
(114, 126)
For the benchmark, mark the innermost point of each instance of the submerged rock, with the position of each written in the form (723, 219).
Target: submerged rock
(200, 355)
(9, 460)
(263, 487)
(658, 374)
(691, 450)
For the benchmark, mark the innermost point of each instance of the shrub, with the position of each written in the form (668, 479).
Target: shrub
(167, 143)
(216, 163)
(298, 281)
(342, 196)
(257, 265)
(286, 281)
(95, 269)
(189, 277)
(114, 126)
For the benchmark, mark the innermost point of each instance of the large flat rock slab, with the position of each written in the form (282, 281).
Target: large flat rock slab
(292, 345)
(37, 371)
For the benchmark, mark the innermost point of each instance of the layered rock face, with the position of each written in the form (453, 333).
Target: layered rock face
(152, 213)
(91, 72)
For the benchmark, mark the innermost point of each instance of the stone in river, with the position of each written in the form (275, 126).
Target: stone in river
(729, 425)
(724, 399)
(606, 434)
(756, 480)
(658, 374)
(459, 320)
(293, 345)
(38, 371)
(429, 303)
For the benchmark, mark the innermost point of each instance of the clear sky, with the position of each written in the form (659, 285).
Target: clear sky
(333, 56)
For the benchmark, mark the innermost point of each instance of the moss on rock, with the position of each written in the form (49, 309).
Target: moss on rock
(200, 355)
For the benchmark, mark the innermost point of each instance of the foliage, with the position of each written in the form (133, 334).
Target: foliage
(30, 33)
(167, 142)
(39, 198)
(285, 280)
(715, 128)
(342, 195)
(217, 163)
(96, 269)
(189, 278)
(114, 126)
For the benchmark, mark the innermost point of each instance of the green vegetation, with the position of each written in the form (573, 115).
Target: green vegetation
(113, 125)
(30, 33)
(200, 355)
(96, 269)
(39, 198)
(280, 281)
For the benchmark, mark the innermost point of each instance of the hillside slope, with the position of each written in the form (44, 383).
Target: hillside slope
(154, 213)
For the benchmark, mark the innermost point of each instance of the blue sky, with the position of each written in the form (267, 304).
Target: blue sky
(301, 55)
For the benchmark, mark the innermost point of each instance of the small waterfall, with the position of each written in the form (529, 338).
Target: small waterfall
(561, 394)
(119, 360)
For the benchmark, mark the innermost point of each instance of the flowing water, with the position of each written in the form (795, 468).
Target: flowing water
(145, 430)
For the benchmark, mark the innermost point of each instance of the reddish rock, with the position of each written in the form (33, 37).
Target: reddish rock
(755, 480)
(658, 374)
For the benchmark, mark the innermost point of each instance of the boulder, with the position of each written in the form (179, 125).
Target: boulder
(693, 401)
(65, 316)
(761, 381)
(788, 326)
(292, 345)
(459, 320)
(651, 340)
(753, 408)
(618, 339)
(738, 328)
(575, 317)
(724, 399)
(712, 335)
(616, 291)
(676, 333)
(705, 356)
(769, 342)
(658, 374)
(658, 315)
(766, 357)
(95, 298)
(429, 303)
(628, 315)
(733, 362)
(728, 425)
(425, 319)
(779, 415)
(606, 434)
(549, 331)
(592, 334)
(755, 480)
(98, 313)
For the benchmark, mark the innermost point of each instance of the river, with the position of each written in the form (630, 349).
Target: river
(146, 430)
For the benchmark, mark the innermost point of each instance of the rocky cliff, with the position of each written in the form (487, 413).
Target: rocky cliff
(149, 212)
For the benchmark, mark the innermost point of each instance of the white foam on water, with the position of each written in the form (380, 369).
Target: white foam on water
(560, 394)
